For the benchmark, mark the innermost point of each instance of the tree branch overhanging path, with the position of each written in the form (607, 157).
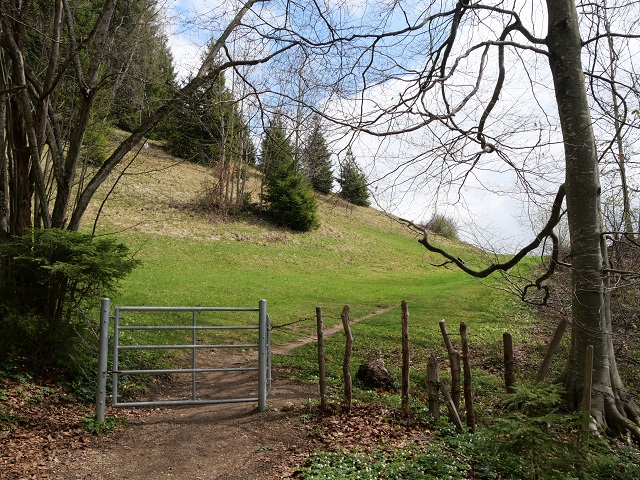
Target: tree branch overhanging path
(33, 136)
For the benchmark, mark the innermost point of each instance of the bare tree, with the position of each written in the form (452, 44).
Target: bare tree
(449, 79)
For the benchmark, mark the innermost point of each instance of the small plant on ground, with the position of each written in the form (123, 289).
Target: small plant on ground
(411, 463)
(102, 428)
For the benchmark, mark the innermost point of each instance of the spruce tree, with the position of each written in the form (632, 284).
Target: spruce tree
(317, 161)
(289, 200)
(353, 182)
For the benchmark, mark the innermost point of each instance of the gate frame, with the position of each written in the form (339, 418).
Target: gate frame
(263, 345)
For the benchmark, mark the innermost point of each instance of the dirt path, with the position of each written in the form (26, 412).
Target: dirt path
(228, 441)
(285, 349)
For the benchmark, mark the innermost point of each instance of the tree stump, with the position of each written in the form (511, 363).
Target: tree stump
(374, 374)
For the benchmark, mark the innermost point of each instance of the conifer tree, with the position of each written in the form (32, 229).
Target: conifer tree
(289, 200)
(317, 161)
(353, 182)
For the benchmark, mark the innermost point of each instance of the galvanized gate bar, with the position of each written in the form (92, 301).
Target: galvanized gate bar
(190, 370)
(195, 347)
(263, 345)
(188, 309)
(177, 403)
(178, 327)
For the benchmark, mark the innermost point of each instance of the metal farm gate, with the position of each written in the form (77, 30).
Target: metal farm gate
(262, 345)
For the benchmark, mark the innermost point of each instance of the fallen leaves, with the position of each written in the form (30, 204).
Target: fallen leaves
(37, 421)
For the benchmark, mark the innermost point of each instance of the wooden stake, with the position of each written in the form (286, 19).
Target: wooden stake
(509, 375)
(346, 365)
(553, 347)
(586, 388)
(406, 359)
(453, 411)
(454, 362)
(468, 397)
(433, 386)
(321, 365)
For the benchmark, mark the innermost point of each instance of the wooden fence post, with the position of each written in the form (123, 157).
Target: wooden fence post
(509, 375)
(453, 411)
(433, 386)
(454, 362)
(586, 388)
(406, 359)
(346, 365)
(321, 365)
(468, 397)
(553, 346)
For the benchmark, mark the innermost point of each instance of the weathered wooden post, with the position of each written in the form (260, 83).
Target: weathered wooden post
(346, 365)
(433, 386)
(454, 362)
(509, 374)
(321, 365)
(468, 397)
(453, 411)
(553, 346)
(406, 359)
(586, 389)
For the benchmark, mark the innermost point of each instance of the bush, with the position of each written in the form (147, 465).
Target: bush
(443, 225)
(47, 277)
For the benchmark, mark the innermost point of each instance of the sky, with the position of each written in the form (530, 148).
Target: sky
(493, 212)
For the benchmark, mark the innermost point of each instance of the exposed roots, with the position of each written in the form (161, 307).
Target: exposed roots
(616, 415)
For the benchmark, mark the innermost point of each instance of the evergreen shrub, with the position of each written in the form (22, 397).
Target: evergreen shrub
(48, 277)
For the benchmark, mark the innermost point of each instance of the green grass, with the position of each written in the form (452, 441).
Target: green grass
(358, 257)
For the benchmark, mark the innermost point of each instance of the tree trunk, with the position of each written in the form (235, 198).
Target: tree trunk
(591, 320)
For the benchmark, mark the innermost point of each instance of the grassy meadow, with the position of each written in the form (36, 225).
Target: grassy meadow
(359, 256)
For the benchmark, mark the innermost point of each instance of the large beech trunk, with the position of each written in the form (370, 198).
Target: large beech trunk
(612, 408)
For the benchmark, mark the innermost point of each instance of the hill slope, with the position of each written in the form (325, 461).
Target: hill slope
(359, 256)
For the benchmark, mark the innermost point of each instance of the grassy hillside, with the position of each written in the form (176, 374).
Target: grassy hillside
(358, 256)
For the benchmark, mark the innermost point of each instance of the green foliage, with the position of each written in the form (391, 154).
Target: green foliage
(290, 203)
(535, 439)
(96, 146)
(149, 79)
(102, 428)
(412, 463)
(9, 421)
(208, 127)
(442, 225)
(353, 182)
(195, 131)
(317, 161)
(48, 276)
(289, 200)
